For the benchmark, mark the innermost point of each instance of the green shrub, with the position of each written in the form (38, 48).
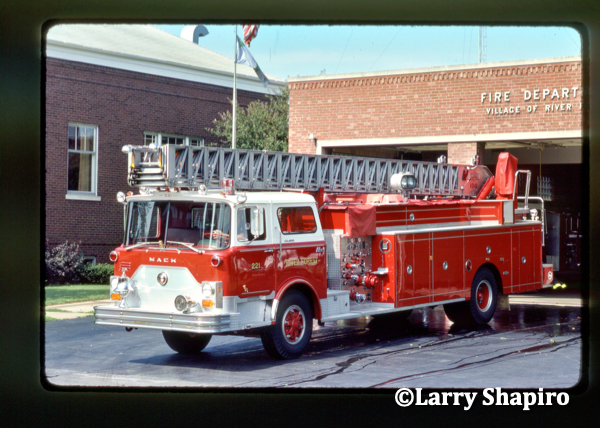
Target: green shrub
(63, 263)
(98, 274)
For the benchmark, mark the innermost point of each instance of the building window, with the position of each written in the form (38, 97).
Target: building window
(545, 188)
(82, 160)
(159, 139)
(89, 260)
(197, 142)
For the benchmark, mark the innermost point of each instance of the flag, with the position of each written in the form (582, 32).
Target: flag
(246, 58)
(250, 32)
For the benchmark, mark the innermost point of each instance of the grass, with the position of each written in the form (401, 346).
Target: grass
(59, 294)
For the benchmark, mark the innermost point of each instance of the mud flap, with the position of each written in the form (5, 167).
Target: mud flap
(503, 302)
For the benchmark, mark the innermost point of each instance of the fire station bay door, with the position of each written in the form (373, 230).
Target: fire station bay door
(254, 255)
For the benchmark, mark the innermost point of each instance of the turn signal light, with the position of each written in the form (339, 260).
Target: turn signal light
(208, 303)
(115, 296)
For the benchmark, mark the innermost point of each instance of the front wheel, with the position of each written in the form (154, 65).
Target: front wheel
(289, 337)
(186, 343)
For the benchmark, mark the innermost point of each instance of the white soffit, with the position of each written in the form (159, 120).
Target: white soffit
(467, 138)
(147, 49)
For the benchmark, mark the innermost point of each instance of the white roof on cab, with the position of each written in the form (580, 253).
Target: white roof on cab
(277, 197)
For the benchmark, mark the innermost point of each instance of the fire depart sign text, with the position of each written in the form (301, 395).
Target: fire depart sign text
(559, 100)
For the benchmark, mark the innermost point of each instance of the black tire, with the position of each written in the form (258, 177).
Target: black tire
(458, 312)
(484, 298)
(186, 343)
(289, 337)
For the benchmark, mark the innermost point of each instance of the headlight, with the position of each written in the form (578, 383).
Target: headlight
(180, 303)
(184, 303)
(162, 278)
(208, 290)
(403, 181)
(408, 182)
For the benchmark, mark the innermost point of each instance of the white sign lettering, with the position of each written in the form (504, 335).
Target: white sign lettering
(545, 94)
(528, 95)
(163, 260)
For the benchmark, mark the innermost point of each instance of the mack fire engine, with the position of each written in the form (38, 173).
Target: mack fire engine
(226, 241)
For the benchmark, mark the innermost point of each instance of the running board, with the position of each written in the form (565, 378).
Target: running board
(356, 311)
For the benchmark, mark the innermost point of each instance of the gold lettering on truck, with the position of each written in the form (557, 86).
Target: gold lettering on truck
(309, 261)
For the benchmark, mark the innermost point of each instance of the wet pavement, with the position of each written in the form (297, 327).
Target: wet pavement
(530, 346)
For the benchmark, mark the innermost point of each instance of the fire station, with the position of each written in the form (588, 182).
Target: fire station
(531, 109)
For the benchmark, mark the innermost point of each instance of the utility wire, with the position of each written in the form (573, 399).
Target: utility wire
(464, 43)
(470, 41)
(388, 45)
(575, 43)
(348, 41)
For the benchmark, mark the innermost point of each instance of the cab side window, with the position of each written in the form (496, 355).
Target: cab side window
(243, 226)
(293, 220)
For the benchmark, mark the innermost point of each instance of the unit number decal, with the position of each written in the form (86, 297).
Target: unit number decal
(255, 266)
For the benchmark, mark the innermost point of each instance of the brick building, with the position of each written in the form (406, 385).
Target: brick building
(532, 109)
(111, 85)
(439, 109)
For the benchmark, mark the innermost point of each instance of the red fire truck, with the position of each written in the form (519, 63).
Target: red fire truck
(222, 241)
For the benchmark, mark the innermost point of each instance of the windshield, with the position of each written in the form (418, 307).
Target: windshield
(205, 225)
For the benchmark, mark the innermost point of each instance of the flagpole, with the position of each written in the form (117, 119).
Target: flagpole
(233, 122)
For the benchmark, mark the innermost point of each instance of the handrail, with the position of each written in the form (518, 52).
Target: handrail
(543, 216)
(516, 183)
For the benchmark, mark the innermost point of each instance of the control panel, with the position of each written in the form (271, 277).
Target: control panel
(355, 266)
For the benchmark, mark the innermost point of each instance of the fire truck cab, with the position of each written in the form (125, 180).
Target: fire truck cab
(216, 263)
(197, 261)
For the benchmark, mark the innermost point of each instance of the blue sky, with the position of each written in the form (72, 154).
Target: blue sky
(290, 51)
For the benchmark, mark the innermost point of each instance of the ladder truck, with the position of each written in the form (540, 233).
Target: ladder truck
(226, 241)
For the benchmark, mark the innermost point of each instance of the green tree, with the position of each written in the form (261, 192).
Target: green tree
(263, 125)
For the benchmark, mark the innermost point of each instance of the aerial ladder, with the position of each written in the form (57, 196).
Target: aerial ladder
(254, 170)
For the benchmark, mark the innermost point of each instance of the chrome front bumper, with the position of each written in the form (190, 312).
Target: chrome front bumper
(176, 321)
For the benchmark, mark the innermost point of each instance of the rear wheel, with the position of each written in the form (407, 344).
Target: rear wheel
(186, 343)
(484, 297)
(457, 312)
(289, 337)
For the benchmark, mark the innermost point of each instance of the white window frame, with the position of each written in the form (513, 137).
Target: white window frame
(92, 194)
(90, 260)
(158, 137)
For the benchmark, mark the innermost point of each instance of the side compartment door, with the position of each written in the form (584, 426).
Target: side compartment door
(254, 258)
(447, 265)
(413, 269)
(528, 260)
(422, 258)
